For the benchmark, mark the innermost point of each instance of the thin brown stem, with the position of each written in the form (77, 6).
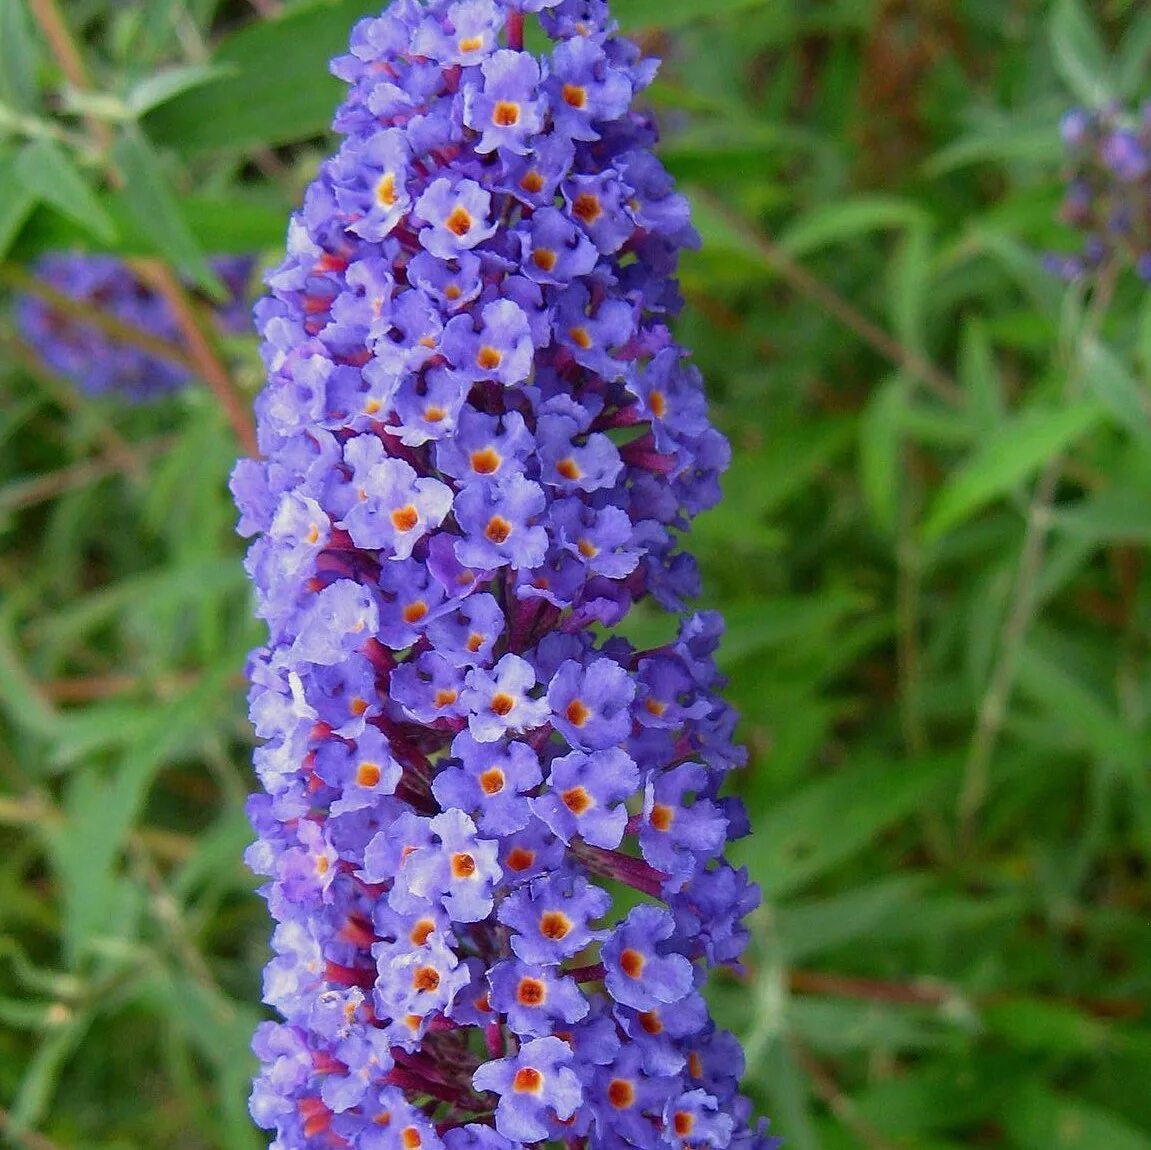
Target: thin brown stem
(839, 1103)
(803, 281)
(208, 364)
(67, 54)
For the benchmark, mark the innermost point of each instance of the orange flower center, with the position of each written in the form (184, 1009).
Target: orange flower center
(531, 992)
(492, 781)
(577, 712)
(368, 774)
(426, 978)
(506, 114)
(587, 207)
(554, 924)
(631, 962)
(498, 529)
(485, 461)
(620, 1093)
(460, 221)
(574, 96)
(528, 1080)
(405, 518)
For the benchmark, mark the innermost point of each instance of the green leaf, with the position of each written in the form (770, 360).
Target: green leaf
(835, 222)
(1133, 57)
(909, 289)
(979, 376)
(1115, 515)
(1079, 53)
(19, 57)
(880, 452)
(807, 834)
(807, 929)
(1077, 707)
(48, 172)
(1046, 1027)
(156, 208)
(1112, 383)
(1013, 454)
(278, 88)
(754, 627)
(168, 83)
(1038, 1119)
(16, 203)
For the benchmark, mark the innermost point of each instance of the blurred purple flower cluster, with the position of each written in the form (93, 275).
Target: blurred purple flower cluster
(95, 361)
(1108, 196)
(481, 443)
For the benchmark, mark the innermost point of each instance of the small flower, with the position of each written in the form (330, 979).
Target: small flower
(535, 1087)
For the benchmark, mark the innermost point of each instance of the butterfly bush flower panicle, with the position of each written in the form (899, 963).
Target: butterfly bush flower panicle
(481, 446)
(95, 361)
(1108, 192)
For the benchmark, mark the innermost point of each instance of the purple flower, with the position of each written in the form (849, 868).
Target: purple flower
(590, 703)
(586, 796)
(1108, 191)
(95, 361)
(506, 109)
(457, 215)
(482, 446)
(535, 1087)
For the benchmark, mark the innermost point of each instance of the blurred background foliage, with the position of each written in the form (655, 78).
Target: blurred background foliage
(932, 557)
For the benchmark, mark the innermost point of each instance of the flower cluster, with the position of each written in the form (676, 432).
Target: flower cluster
(1108, 196)
(481, 443)
(98, 363)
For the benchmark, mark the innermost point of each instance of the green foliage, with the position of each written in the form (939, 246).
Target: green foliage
(932, 556)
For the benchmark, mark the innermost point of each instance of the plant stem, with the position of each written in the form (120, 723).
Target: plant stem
(206, 361)
(997, 697)
(55, 28)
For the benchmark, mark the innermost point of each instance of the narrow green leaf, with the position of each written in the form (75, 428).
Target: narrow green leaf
(1009, 457)
(1039, 1119)
(909, 290)
(807, 834)
(156, 207)
(19, 57)
(1112, 383)
(1077, 707)
(755, 627)
(979, 375)
(641, 14)
(835, 222)
(1115, 515)
(168, 83)
(880, 448)
(1046, 1027)
(16, 203)
(1133, 57)
(807, 929)
(49, 173)
(1079, 53)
